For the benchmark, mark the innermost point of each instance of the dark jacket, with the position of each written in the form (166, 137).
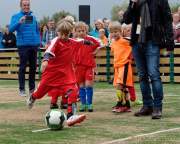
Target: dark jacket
(10, 36)
(161, 19)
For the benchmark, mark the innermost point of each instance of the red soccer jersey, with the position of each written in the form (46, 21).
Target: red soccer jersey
(85, 55)
(60, 67)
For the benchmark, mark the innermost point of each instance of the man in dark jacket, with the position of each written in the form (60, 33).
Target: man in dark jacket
(151, 30)
(28, 41)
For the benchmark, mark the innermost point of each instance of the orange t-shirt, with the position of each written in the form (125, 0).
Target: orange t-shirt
(122, 52)
(122, 55)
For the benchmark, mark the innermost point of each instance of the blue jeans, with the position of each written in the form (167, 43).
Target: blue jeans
(147, 62)
(27, 56)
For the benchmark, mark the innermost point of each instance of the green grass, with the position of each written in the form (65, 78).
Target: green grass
(100, 126)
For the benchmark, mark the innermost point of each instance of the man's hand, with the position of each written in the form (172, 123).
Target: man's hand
(44, 65)
(22, 19)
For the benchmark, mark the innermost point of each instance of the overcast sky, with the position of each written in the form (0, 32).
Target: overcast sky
(99, 8)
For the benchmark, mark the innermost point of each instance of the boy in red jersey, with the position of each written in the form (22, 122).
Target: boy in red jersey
(85, 65)
(58, 72)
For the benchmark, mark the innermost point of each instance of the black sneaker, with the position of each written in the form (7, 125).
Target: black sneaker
(54, 106)
(144, 111)
(64, 106)
(157, 113)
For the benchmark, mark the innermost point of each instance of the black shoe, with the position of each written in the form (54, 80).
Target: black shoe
(144, 111)
(69, 115)
(157, 113)
(64, 106)
(54, 106)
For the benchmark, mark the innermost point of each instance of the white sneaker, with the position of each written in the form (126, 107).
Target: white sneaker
(74, 119)
(30, 102)
(22, 93)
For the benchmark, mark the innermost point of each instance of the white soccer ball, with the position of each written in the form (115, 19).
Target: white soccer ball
(55, 119)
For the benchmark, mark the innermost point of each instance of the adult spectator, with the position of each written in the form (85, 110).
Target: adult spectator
(28, 41)
(98, 25)
(1, 36)
(176, 27)
(50, 33)
(154, 30)
(43, 31)
(9, 38)
(120, 16)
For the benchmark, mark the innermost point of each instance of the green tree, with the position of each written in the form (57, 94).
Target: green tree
(56, 16)
(117, 8)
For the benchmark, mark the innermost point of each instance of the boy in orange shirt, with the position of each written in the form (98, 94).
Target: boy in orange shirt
(123, 77)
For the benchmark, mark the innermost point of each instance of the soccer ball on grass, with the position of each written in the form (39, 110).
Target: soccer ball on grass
(55, 119)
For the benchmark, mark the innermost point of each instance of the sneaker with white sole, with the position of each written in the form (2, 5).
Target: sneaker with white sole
(30, 102)
(22, 93)
(75, 119)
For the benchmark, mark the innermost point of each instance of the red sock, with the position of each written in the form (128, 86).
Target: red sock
(132, 93)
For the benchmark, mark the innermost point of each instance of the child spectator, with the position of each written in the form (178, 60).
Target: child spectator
(58, 72)
(126, 32)
(123, 77)
(84, 66)
(103, 38)
(176, 27)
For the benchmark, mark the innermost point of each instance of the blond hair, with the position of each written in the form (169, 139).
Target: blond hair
(115, 25)
(64, 27)
(81, 25)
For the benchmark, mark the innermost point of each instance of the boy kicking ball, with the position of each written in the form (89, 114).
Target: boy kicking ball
(58, 72)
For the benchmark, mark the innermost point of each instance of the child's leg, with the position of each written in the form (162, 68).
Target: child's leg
(132, 93)
(82, 94)
(64, 102)
(72, 118)
(89, 81)
(37, 94)
(89, 93)
(41, 91)
(54, 93)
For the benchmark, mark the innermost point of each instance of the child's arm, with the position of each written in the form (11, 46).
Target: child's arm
(49, 53)
(46, 58)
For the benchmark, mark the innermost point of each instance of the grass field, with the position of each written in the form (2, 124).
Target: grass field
(101, 126)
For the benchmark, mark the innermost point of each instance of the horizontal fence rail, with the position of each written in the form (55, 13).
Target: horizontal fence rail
(169, 65)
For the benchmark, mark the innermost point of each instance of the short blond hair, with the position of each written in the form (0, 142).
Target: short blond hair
(115, 25)
(64, 27)
(81, 25)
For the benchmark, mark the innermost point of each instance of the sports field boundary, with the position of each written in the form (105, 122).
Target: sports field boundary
(118, 141)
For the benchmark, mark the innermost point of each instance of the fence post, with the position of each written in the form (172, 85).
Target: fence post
(39, 62)
(108, 63)
(171, 61)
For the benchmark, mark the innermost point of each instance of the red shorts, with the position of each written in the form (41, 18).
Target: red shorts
(84, 73)
(70, 90)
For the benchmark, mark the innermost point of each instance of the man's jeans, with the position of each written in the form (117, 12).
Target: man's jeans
(27, 55)
(147, 62)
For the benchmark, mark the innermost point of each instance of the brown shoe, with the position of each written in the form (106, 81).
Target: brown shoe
(144, 111)
(157, 113)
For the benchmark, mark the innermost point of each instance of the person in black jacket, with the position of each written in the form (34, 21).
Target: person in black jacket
(9, 39)
(151, 30)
